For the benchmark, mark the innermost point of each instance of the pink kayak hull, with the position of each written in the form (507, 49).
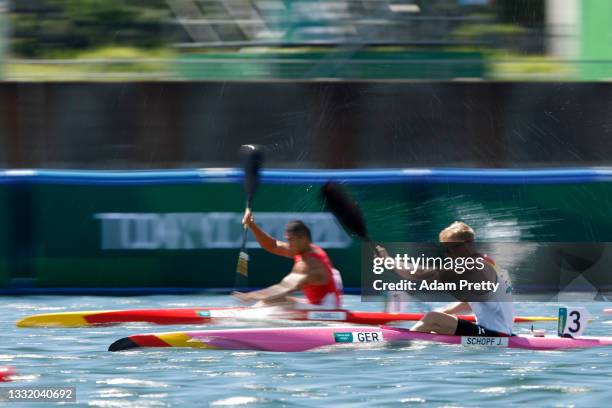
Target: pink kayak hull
(296, 339)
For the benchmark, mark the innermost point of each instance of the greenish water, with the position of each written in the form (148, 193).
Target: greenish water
(417, 374)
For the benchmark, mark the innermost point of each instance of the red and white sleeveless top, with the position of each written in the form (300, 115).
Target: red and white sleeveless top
(333, 287)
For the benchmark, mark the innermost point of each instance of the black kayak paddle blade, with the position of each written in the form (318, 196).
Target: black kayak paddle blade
(253, 160)
(340, 203)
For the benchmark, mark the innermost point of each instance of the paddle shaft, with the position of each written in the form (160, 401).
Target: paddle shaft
(246, 229)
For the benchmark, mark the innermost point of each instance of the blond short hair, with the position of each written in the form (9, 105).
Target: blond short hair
(457, 232)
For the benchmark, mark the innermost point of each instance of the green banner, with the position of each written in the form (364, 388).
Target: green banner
(189, 235)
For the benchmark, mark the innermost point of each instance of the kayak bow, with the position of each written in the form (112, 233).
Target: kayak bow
(6, 372)
(109, 317)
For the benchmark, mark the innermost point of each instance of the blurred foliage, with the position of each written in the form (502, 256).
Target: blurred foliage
(41, 27)
(493, 36)
(117, 70)
(526, 12)
(136, 29)
(481, 31)
(503, 66)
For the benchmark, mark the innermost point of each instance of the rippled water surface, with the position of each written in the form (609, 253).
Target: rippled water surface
(418, 374)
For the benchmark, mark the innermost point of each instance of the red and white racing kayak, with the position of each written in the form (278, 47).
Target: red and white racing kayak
(292, 339)
(221, 314)
(6, 372)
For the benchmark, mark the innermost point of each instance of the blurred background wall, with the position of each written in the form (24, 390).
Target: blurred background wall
(305, 124)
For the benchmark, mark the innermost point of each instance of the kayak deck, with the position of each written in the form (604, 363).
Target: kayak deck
(297, 339)
(209, 315)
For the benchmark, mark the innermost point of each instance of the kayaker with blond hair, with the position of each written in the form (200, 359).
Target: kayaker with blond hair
(494, 314)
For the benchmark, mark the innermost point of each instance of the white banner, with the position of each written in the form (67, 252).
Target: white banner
(189, 231)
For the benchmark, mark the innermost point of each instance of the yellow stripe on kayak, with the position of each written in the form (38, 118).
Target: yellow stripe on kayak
(66, 319)
(545, 319)
(541, 318)
(183, 340)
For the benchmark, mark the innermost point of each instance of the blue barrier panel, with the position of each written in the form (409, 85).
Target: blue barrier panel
(285, 176)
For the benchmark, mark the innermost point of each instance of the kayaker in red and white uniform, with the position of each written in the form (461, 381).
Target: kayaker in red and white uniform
(313, 272)
(494, 315)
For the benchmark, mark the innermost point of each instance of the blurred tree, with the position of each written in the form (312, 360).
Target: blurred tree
(65, 27)
(43, 27)
(524, 12)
